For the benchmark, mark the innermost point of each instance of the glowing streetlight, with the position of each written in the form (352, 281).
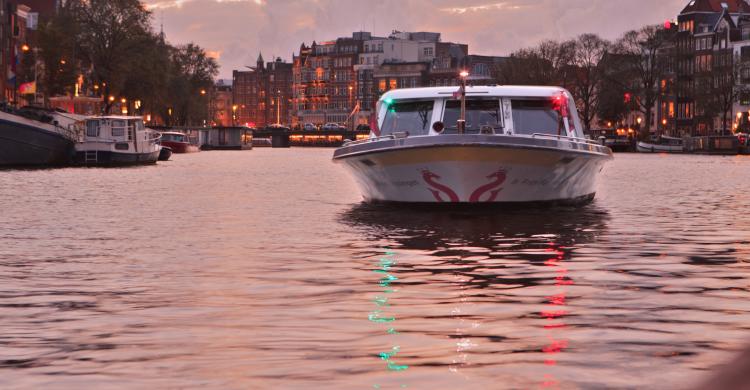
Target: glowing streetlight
(639, 120)
(111, 98)
(464, 74)
(25, 47)
(203, 91)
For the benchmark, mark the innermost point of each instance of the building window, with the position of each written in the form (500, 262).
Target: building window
(381, 85)
(393, 84)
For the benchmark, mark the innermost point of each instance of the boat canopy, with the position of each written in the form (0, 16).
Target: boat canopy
(489, 110)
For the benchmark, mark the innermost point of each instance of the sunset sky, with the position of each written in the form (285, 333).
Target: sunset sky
(236, 30)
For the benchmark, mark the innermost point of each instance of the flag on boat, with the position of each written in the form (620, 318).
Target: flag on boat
(27, 88)
(457, 94)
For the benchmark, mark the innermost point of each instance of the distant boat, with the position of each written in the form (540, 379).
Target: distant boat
(662, 144)
(33, 136)
(117, 140)
(178, 142)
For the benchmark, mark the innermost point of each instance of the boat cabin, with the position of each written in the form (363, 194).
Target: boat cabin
(503, 110)
(174, 137)
(115, 128)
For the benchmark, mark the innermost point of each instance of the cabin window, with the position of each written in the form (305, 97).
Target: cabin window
(480, 114)
(413, 117)
(536, 116)
(118, 127)
(92, 128)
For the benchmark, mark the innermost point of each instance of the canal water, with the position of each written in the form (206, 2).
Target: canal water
(262, 270)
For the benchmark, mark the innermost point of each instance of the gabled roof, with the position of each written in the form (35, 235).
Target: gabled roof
(733, 6)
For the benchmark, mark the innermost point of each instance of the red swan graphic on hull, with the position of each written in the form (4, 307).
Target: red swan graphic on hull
(492, 187)
(437, 188)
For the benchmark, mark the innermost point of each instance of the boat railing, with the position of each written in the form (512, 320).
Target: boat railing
(349, 142)
(563, 137)
(534, 135)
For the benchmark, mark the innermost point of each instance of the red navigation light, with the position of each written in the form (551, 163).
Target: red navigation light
(667, 25)
(560, 104)
(627, 97)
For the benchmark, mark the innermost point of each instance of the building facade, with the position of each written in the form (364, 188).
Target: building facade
(324, 81)
(708, 31)
(262, 95)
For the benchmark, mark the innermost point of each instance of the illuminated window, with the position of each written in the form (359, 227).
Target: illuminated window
(393, 84)
(381, 85)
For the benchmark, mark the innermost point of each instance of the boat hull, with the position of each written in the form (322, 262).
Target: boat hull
(645, 147)
(181, 147)
(476, 173)
(108, 158)
(23, 145)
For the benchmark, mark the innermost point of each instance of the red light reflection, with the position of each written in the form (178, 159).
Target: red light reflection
(555, 313)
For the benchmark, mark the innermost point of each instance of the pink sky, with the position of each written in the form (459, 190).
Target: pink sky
(237, 30)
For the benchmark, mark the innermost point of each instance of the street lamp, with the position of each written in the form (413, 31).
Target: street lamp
(278, 106)
(234, 114)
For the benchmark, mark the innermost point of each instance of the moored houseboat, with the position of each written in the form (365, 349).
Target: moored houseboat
(117, 140)
(34, 136)
(479, 144)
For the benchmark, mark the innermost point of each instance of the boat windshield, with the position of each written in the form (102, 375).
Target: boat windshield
(173, 137)
(480, 115)
(536, 116)
(413, 117)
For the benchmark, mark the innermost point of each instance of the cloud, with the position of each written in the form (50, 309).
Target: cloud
(240, 29)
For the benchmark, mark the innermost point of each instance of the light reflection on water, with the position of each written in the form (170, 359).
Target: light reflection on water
(252, 270)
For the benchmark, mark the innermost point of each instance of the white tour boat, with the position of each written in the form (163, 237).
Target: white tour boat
(497, 144)
(117, 140)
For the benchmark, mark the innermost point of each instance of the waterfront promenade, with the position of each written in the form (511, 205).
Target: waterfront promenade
(262, 269)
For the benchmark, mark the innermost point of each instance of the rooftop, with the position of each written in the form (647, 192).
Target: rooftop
(733, 6)
(446, 92)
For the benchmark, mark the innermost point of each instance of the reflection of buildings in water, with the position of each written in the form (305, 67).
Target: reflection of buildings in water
(483, 252)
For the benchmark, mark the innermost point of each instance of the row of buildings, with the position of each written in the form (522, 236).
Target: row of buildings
(710, 61)
(340, 81)
(706, 63)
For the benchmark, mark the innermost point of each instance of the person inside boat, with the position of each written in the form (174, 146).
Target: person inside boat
(482, 116)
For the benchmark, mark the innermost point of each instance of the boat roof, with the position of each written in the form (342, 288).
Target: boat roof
(124, 117)
(446, 92)
(172, 133)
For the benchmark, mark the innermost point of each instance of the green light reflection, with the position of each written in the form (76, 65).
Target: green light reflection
(383, 301)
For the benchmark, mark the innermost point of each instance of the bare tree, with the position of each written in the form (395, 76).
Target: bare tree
(587, 75)
(641, 52)
(728, 86)
(546, 64)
